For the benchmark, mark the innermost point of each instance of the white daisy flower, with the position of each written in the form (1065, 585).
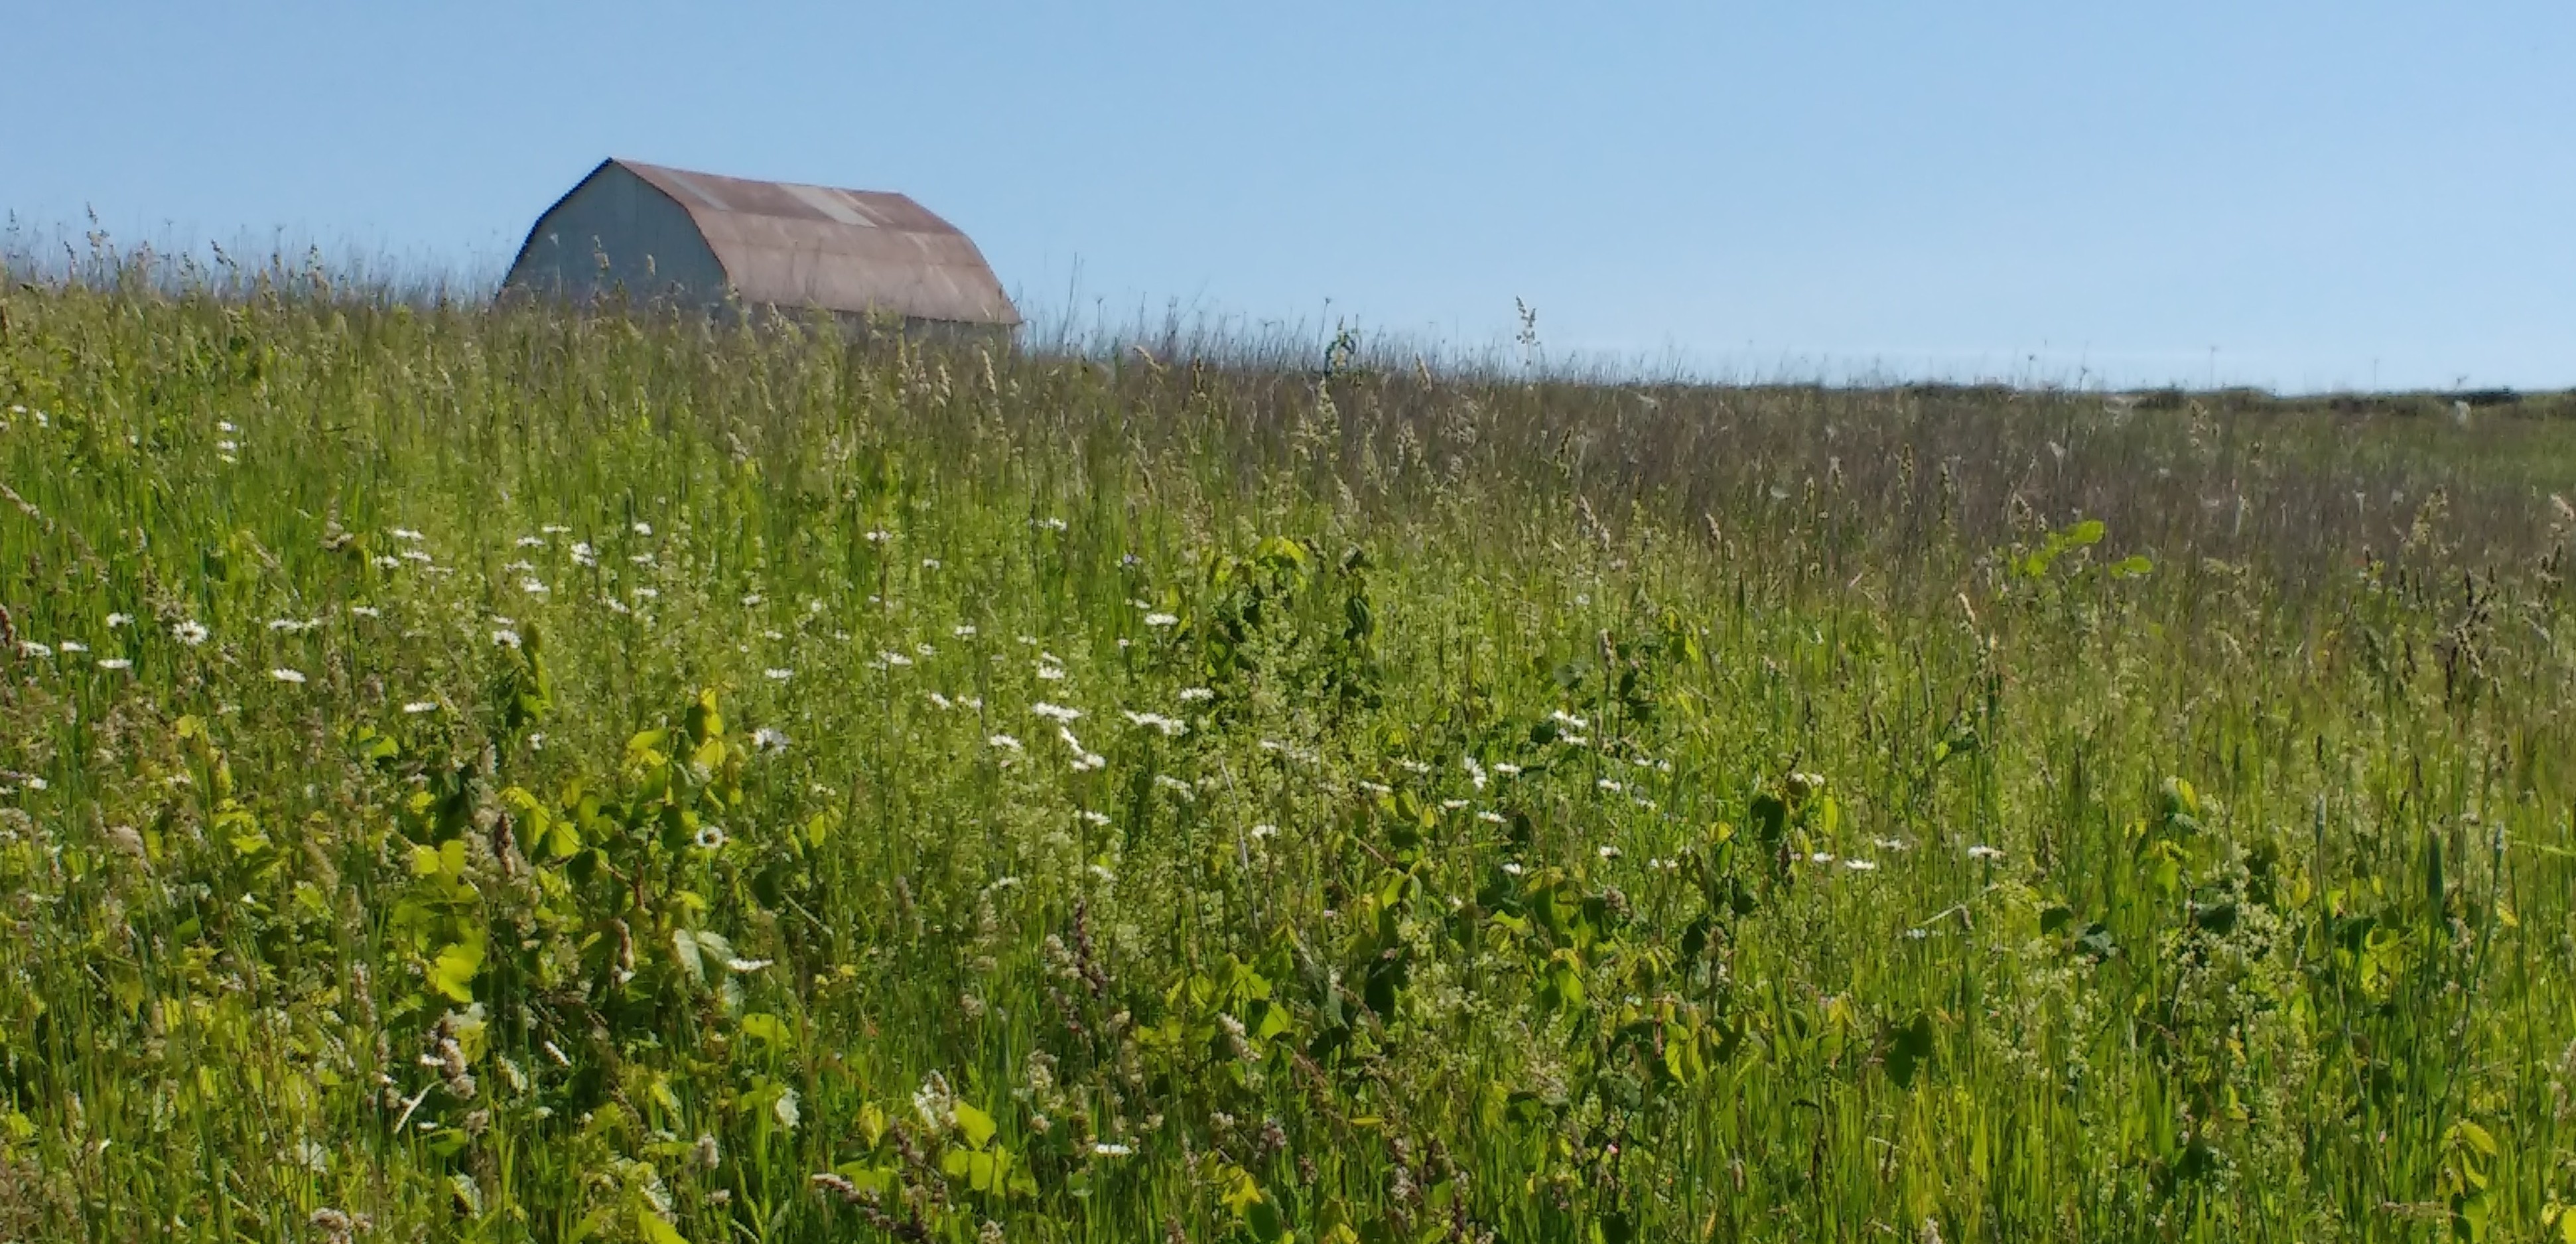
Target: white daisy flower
(191, 633)
(115, 663)
(506, 637)
(417, 707)
(283, 674)
(777, 674)
(1161, 620)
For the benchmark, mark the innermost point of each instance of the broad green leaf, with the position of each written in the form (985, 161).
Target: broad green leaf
(976, 1125)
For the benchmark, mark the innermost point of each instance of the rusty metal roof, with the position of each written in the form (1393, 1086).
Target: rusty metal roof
(843, 250)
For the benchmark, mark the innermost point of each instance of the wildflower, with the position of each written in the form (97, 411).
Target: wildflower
(406, 533)
(768, 740)
(710, 837)
(226, 427)
(1159, 620)
(30, 648)
(1452, 805)
(388, 563)
(777, 674)
(1609, 852)
(707, 1153)
(1170, 726)
(1264, 831)
(1512, 867)
(646, 593)
(1376, 788)
(879, 536)
(530, 542)
(643, 529)
(282, 674)
(417, 707)
(1004, 742)
(934, 1103)
(1056, 712)
(924, 650)
(1820, 858)
(506, 637)
(738, 964)
(1610, 786)
(1084, 760)
(1110, 1149)
(1089, 817)
(1490, 818)
(962, 631)
(1176, 786)
(1413, 766)
(1983, 852)
(930, 563)
(1507, 768)
(415, 555)
(1048, 524)
(365, 611)
(641, 559)
(1195, 695)
(1564, 718)
(1861, 866)
(115, 663)
(191, 633)
(751, 600)
(891, 660)
(532, 587)
(838, 1185)
(1051, 673)
(1475, 773)
(116, 620)
(583, 554)
(1891, 844)
(941, 702)
(71, 645)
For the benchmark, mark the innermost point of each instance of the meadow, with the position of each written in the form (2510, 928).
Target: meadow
(490, 773)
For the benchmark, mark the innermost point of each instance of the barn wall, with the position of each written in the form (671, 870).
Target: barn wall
(614, 213)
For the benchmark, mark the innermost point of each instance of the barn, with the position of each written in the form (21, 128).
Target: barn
(671, 236)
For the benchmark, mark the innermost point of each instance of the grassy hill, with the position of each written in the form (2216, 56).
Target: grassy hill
(494, 774)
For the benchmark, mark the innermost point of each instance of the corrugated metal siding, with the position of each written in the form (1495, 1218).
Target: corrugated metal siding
(849, 251)
(653, 247)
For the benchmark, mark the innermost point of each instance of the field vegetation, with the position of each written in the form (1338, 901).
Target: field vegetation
(494, 774)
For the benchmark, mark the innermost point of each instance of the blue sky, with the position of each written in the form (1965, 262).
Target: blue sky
(2298, 195)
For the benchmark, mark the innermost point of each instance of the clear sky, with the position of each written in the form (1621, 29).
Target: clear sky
(2299, 195)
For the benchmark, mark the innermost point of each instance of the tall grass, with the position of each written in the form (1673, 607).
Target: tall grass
(497, 774)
